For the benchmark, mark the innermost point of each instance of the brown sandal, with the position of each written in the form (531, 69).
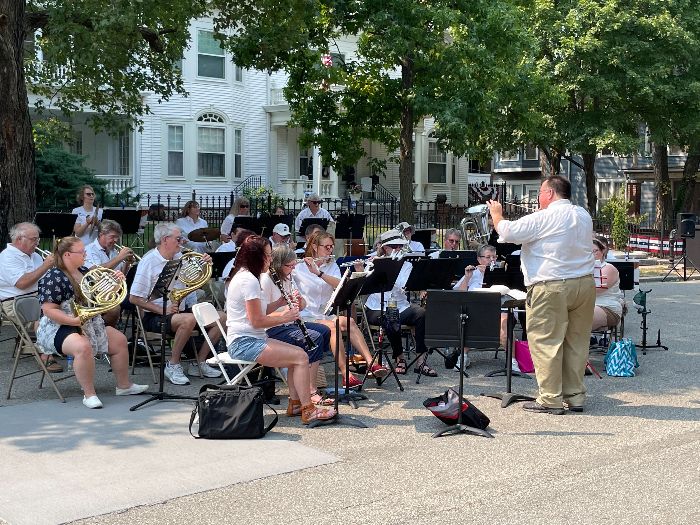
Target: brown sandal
(294, 407)
(310, 413)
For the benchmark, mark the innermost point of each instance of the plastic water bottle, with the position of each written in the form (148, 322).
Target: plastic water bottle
(69, 363)
(392, 311)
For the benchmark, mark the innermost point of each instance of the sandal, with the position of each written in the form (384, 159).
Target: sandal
(318, 399)
(310, 413)
(294, 407)
(400, 367)
(425, 370)
(53, 366)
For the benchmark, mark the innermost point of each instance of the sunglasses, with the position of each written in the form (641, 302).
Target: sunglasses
(315, 202)
(244, 206)
(89, 194)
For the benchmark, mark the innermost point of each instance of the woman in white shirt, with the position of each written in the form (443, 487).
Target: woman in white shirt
(316, 279)
(240, 208)
(89, 216)
(247, 320)
(189, 221)
(608, 299)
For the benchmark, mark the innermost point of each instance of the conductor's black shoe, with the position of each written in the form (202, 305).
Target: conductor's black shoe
(451, 359)
(534, 406)
(574, 408)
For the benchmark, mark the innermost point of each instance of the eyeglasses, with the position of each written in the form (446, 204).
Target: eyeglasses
(452, 240)
(84, 252)
(494, 257)
(290, 265)
(244, 206)
(543, 190)
(315, 202)
(89, 194)
(33, 239)
(327, 246)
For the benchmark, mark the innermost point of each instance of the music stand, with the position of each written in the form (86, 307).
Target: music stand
(350, 227)
(270, 221)
(478, 318)
(323, 223)
(381, 280)
(219, 261)
(509, 397)
(430, 274)
(344, 295)
(129, 220)
(161, 289)
(464, 258)
(249, 223)
(52, 225)
(423, 237)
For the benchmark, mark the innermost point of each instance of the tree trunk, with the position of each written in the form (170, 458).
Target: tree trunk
(17, 178)
(662, 185)
(406, 145)
(684, 202)
(589, 172)
(550, 161)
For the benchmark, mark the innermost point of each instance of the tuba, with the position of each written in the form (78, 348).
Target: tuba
(475, 224)
(102, 290)
(194, 273)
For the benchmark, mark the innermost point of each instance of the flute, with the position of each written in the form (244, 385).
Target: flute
(278, 282)
(328, 258)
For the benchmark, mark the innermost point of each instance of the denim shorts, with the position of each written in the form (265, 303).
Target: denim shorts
(246, 348)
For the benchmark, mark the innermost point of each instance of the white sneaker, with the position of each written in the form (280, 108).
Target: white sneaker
(92, 402)
(463, 358)
(175, 374)
(207, 371)
(134, 389)
(515, 367)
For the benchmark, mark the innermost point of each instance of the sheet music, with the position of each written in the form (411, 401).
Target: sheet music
(518, 295)
(348, 275)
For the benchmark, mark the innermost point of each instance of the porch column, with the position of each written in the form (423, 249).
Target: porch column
(420, 175)
(331, 189)
(316, 184)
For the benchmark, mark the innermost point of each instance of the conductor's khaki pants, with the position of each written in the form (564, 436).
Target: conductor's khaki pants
(559, 318)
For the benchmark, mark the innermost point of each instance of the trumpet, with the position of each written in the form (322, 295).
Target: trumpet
(43, 253)
(133, 257)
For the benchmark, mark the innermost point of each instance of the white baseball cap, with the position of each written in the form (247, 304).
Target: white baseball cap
(281, 229)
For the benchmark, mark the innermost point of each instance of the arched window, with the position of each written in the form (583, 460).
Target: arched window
(211, 145)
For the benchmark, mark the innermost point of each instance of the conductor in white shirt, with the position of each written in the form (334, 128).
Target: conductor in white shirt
(557, 264)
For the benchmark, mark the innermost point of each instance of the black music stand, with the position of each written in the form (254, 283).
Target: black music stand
(349, 227)
(219, 261)
(248, 223)
(509, 397)
(270, 221)
(52, 225)
(464, 258)
(381, 280)
(429, 274)
(162, 289)
(423, 237)
(305, 223)
(129, 220)
(343, 297)
(477, 316)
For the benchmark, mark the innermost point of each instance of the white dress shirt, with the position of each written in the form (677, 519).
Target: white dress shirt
(14, 264)
(146, 276)
(475, 282)
(91, 231)
(96, 255)
(315, 291)
(229, 246)
(186, 225)
(556, 242)
(306, 214)
(416, 246)
(397, 293)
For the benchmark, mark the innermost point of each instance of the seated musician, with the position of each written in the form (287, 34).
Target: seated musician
(61, 331)
(408, 230)
(246, 309)
(179, 319)
(101, 252)
(283, 262)
(409, 314)
(608, 298)
(240, 208)
(313, 209)
(452, 239)
(22, 268)
(316, 279)
(189, 221)
(473, 279)
(281, 236)
(310, 230)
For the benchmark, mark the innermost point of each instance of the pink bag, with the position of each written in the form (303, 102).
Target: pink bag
(523, 357)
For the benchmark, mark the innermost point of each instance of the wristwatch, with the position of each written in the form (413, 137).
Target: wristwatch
(320, 273)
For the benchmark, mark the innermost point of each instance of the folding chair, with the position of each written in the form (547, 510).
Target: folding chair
(142, 336)
(28, 311)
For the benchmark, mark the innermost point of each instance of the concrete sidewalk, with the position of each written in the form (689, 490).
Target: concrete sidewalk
(632, 457)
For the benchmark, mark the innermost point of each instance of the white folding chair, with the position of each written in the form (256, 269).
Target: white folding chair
(206, 315)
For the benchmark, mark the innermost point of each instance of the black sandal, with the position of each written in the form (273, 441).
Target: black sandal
(425, 370)
(400, 367)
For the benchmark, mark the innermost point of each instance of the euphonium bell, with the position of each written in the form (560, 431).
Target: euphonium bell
(194, 273)
(102, 290)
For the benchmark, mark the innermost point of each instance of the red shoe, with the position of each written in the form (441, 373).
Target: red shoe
(354, 382)
(379, 371)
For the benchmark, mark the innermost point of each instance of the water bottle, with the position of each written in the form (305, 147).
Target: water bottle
(392, 311)
(69, 363)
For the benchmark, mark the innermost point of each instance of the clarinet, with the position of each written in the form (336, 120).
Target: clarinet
(309, 342)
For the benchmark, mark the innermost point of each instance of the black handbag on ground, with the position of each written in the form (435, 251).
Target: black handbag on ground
(445, 408)
(230, 412)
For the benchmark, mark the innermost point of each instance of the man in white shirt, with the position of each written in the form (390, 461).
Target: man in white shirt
(280, 235)
(557, 264)
(20, 270)
(101, 252)
(452, 239)
(313, 209)
(179, 321)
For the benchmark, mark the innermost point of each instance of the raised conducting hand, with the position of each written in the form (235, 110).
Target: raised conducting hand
(495, 208)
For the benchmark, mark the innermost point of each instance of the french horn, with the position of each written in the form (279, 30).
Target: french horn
(102, 290)
(194, 274)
